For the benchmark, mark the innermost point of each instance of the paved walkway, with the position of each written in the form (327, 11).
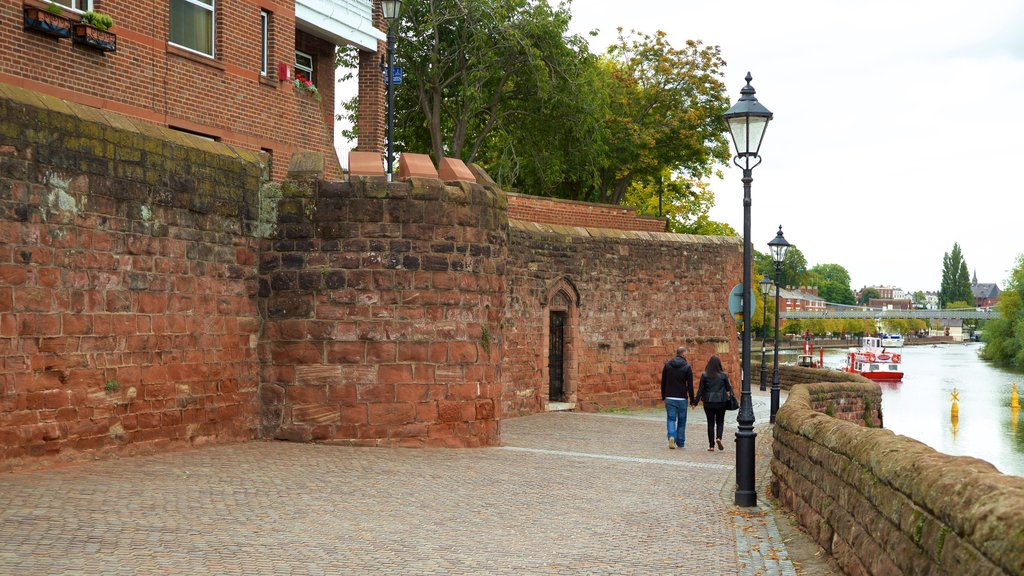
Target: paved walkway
(567, 493)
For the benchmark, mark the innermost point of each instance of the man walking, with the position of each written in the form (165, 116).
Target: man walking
(677, 392)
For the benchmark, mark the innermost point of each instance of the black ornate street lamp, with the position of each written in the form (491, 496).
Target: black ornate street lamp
(747, 121)
(779, 247)
(391, 8)
(766, 286)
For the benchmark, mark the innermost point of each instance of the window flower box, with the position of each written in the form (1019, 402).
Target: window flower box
(47, 22)
(93, 37)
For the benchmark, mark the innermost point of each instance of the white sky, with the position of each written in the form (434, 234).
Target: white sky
(886, 146)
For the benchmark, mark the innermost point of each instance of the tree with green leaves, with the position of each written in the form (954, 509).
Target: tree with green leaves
(1004, 336)
(920, 300)
(866, 295)
(833, 283)
(793, 271)
(956, 282)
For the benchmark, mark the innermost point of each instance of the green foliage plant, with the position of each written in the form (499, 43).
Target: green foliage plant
(111, 386)
(55, 9)
(98, 20)
(1004, 336)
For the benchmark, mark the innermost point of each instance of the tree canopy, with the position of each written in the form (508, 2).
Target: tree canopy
(1004, 336)
(956, 283)
(833, 283)
(866, 295)
(502, 83)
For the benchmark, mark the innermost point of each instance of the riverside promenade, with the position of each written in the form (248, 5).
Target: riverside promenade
(566, 493)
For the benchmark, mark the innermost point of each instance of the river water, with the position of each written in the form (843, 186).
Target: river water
(920, 405)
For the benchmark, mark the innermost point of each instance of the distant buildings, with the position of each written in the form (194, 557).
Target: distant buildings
(985, 295)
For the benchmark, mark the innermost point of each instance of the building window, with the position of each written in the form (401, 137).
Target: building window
(303, 65)
(192, 25)
(264, 41)
(77, 5)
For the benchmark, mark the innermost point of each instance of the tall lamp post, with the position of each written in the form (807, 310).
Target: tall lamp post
(766, 286)
(391, 8)
(747, 121)
(779, 247)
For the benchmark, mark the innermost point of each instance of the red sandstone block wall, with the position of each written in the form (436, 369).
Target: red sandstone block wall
(570, 213)
(222, 97)
(127, 278)
(383, 307)
(638, 299)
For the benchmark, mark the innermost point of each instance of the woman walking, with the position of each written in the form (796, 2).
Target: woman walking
(714, 392)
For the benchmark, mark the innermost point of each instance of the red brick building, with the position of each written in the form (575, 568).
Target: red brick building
(222, 69)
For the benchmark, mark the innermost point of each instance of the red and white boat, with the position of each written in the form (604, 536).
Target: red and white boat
(873, 361)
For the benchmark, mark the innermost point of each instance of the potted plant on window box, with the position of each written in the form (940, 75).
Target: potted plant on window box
(48, 21)
(94, 32)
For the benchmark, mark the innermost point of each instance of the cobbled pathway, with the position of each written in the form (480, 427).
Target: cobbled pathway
(567, 493)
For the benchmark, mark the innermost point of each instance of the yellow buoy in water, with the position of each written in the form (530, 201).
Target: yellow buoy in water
(954, 411)
(1014, 401)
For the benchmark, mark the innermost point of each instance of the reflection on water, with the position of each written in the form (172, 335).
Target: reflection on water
(920, 406)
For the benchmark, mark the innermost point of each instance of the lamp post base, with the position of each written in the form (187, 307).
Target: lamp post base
(746, 494)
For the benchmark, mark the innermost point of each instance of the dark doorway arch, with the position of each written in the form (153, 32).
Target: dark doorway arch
(561, 325)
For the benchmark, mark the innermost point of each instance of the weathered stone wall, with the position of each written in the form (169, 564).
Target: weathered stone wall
(383, 305)
(629, 297)
(883, 504)
(127, 277)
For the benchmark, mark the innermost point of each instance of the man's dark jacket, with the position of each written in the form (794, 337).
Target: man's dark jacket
(677, 380)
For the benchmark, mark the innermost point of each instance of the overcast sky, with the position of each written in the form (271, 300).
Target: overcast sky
(897, 125)
(895, 132)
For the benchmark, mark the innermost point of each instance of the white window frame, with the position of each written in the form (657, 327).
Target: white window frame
(307, 69)
(72, 5)
(212, 9)
(264, 41)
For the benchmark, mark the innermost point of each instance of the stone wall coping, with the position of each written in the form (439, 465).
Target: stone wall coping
(590, 232)
(84, 112)
(980, 504)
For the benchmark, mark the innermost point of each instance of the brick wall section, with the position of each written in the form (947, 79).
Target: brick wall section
(569, 213)
(884, 504)
(640, 294)
(383, 306)
(127, 319)
(146, 78)
(372, 118)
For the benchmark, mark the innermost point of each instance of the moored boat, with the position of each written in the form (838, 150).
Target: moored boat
(873, 361)
(891, 340)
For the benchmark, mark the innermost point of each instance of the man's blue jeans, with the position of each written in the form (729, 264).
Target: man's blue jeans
(676, 410)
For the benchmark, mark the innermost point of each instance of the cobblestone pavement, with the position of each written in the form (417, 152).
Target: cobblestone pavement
(567, 493)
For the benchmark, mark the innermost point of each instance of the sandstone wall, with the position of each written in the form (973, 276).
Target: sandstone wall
(883, 504)
(629, 297)
(383, 305)
(127, 277)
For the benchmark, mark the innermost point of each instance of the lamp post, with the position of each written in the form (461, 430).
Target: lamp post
(391, 8)
(747, 121)
(766, 286)
(779, 247)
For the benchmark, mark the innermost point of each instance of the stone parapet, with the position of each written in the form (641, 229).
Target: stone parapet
(382, 307)
(127, 276)
(884, 504)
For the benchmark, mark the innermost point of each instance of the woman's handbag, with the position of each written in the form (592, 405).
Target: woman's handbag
(733, 403)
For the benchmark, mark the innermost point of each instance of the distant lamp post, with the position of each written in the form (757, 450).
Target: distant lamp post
(778, 247)
(766, 286)
(391, 8)
(747, 121)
